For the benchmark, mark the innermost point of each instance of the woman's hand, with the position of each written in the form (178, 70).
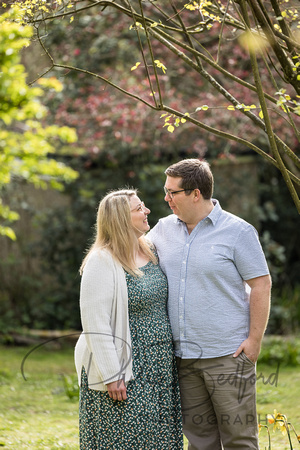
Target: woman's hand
(117, 390)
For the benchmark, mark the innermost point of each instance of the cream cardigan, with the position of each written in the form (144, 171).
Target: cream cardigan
(104, 347)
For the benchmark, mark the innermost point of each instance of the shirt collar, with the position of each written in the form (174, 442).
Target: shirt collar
(216, 212)
(213, 215)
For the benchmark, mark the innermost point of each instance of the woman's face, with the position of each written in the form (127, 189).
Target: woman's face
(139, 216)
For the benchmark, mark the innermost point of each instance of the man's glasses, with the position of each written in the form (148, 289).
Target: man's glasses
(172, 193)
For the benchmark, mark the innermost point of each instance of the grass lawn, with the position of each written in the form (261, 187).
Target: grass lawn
(37, 413)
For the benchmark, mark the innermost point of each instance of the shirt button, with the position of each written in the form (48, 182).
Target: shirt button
(182, 280)
(183, 262)
(181, 298)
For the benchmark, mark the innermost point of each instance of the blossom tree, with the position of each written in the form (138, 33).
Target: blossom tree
(190, 40)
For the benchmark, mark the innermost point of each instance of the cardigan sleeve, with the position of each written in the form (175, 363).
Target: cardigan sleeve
(97, 295)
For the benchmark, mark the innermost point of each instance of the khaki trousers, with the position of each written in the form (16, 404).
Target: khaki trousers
(218, 398)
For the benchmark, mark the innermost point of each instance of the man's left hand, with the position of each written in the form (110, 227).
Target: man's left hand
(251, 349)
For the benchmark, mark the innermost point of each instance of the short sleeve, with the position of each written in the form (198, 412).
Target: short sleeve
(249, 257)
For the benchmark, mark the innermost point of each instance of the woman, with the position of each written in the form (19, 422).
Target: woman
(129, 394)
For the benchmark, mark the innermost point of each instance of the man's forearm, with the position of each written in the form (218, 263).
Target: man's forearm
(260, 299)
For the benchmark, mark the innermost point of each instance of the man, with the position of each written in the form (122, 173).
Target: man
(219, 300)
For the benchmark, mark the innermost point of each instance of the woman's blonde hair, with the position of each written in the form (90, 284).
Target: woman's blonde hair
(114, 232)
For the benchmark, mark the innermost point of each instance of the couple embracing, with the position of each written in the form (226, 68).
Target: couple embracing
(172, 321)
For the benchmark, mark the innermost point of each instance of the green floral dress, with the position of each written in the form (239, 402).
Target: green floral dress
(150, 418)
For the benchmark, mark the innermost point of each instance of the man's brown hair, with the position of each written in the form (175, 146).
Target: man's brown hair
(195, 174)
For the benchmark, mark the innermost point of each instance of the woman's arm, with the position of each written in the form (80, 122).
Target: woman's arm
(97, 294)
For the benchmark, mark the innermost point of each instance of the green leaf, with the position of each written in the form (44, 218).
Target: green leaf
(7, 231)
(26, 145)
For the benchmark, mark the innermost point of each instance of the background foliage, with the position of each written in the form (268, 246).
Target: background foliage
(196, 35)
(25, 144)
(123, 144)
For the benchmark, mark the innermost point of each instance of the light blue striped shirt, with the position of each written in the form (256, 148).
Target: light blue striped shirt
(208, 298)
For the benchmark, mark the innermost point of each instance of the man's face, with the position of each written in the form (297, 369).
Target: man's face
(181, 204)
